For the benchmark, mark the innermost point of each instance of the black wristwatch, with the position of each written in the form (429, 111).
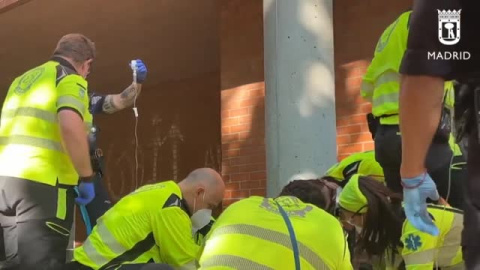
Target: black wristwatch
(87, 179)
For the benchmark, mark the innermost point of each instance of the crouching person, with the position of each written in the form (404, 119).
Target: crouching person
(154, 224)
(291, 231)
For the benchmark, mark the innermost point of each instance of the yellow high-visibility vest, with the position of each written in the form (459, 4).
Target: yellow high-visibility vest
(252, 234)
(381, 83)
(363, 163)
(150, 224)
(31, 146)
(422, 251)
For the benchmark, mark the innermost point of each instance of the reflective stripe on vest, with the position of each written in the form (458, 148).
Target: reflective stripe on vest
(234, 262)
(108, 240)
(39, 114)
(446, 253)
(272, 236)
(32, 141)
(70, 101)
(31, 112)
(379, 99)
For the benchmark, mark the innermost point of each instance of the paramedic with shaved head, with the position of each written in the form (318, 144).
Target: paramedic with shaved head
(154, 224)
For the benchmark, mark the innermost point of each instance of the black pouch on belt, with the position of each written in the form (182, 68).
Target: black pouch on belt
(442, 135)
(465, 108)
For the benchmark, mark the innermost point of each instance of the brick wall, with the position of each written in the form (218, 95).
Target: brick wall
(243, 164)
(242, 99)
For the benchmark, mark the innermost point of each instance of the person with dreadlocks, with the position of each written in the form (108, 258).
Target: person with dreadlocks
(384, 230)
(263, 233)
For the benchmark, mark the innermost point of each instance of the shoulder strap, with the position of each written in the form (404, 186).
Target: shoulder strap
(173, 201)
(293, 238)
(62, 72)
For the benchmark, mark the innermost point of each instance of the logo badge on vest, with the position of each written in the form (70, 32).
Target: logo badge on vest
(449, 26)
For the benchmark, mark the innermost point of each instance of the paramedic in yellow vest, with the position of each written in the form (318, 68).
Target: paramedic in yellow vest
(381, 87)
(291, 231)
(154, 224)
(367, 205)
(363, 163)
(44, 151)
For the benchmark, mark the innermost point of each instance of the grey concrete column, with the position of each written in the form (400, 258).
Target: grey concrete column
(300, 90)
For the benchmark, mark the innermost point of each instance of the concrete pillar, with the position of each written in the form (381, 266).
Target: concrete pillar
(300, 90)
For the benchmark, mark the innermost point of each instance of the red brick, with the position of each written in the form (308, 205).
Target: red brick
(232, 186)
(354, 83)
(350, 148)
(230, 121)
(225, 130)
(366, 107)
(361, 137)
(368, 146)
(225, 114)
(239, 112)
(258, 192)
(228, 138)
(256, 92)
(231, 153)
(246, 185)
(238, 161)
(344, 139)
(342, 156)
(240, 128)
(251, 150)
(226, 178)
(240, 194)
(258, 176)
(245, 119)
(239, 176)
(250, 102)
(349, 129)
(227, 194)
(343, 121)
(232, 145)
(256, 159)
(358, 118)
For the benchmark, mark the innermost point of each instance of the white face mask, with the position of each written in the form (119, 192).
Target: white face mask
(358, 229)
(201, 217)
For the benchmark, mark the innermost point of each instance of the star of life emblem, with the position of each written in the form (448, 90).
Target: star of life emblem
(449, 26)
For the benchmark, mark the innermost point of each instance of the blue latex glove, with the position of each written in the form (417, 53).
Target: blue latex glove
(415, 202)
(86, 193)
(141, 71)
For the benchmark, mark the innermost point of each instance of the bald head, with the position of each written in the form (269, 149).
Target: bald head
(202, 188)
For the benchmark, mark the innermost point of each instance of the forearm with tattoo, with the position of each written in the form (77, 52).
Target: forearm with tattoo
(114, 103)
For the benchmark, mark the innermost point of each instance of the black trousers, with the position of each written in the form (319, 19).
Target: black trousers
(36, 220)
(388, 152)
(471, 222)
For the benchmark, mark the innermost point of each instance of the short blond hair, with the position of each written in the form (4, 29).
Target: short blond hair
(77, 47)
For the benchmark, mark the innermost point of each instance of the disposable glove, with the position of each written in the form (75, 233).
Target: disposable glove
(415, 193)
(86, 193)
(141, 71)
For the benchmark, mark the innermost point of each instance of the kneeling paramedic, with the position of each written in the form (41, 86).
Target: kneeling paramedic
(154, 224)
(291, 231)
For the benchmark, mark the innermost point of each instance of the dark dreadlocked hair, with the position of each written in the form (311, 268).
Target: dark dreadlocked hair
(383, 221)
(315, 191)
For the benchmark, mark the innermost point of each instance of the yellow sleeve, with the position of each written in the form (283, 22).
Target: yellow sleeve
(72, 93)
(418, 248)
(172, 230)
(345, 261)
(368, 85)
